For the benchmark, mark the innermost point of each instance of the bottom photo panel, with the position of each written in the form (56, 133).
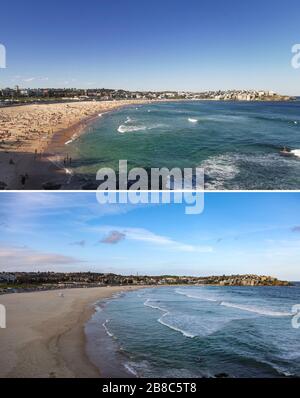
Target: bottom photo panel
(149, 286)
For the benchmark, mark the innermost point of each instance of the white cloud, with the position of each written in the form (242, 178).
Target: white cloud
(26, 205)
(144, 235)
(24, 258)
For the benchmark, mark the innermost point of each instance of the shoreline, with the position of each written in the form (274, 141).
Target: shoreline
(36, 148)
(34, 142)
(45, 334)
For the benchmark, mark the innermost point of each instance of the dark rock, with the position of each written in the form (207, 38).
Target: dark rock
(221, 375)
(51, 186)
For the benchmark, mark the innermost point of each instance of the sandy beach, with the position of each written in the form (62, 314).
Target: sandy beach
(30, 134)
(44, 335)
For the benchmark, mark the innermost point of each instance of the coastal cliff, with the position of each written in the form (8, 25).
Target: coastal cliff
(245, 280)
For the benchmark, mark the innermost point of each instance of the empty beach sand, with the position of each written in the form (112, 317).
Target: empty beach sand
(45, 336)
(27, 133)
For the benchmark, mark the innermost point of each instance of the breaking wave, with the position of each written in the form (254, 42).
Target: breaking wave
(221, 170)
(156, 307)
(176, 328)
(193, 296)
(132, 125)
(106, 328)
(256, 310)
(296, 152)
(162, 320)
(72, 139)
(127, 129)
(130, 369)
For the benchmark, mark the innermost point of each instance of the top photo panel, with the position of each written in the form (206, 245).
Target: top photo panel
(160, 95)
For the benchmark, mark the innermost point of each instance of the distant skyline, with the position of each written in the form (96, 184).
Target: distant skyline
(158, 45)
(257, 233)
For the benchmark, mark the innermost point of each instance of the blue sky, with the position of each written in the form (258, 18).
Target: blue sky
(236, 233)
(162, 44)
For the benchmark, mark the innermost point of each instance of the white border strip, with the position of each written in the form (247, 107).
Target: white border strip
(149, 191)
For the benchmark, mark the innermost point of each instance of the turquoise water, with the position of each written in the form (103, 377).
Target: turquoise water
(237, 143)
(198, 332)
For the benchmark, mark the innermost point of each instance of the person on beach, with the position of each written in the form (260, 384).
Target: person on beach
(24, 177)
(23, 180)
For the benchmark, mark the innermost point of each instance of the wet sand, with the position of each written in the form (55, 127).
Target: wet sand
(45, 335)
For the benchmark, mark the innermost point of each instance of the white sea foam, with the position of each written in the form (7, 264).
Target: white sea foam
(176, 328)
(126, 128)
(191, 120)
(282, 370)
(205, 298)
(106, 329)
(219, 169)
(257, 310)
(117, 295)
(225, 118)
(222, 169)
(130, 369)
(138, 368)
(73, 138)
(254, 309)
(156, 307)
(163, 322)
(296, 152)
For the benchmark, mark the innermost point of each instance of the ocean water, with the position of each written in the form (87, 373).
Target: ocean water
(199, 331)
(237, 143)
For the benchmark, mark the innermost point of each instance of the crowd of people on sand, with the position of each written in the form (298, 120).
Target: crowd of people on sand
(28, 130)
(23, 126)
